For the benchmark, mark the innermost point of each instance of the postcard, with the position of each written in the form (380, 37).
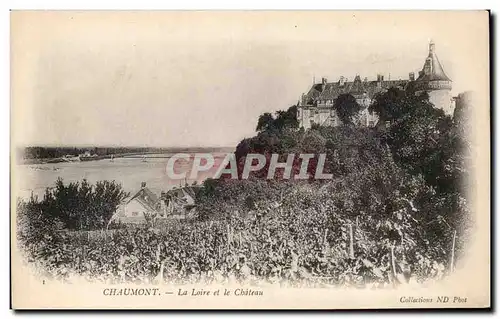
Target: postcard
(250, 159)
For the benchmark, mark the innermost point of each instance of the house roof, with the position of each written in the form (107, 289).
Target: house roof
(357, 87)
(180, 192)
(314, 92)
(146, 197)
(181, 196)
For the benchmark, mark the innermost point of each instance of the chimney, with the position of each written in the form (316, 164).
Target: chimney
(323, 83)
(379, 80)
(365, 80)
(412, 76)
(143, 185)
(342, 81)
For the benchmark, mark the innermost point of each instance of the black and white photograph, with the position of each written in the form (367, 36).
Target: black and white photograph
(250, 159)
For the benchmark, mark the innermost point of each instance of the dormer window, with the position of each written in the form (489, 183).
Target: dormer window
(342, 81)
(428, 66)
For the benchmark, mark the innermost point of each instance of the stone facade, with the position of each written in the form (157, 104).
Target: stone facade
(316, 106)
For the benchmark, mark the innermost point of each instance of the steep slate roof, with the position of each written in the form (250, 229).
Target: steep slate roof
(331, 91)
(357, 87)
(314, 92)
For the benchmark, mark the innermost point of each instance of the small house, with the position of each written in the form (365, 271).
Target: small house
(178, 202)
(135, 208)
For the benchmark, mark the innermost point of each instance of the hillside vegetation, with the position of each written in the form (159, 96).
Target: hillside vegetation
(395, 211)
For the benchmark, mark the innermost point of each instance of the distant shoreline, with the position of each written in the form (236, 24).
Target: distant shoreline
(53, 160)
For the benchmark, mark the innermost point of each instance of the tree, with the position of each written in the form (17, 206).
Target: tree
(389, 105)
(346, 107)
(283, 120)
(423, 139)
(265, 122)
(80, 205)
(287, 119)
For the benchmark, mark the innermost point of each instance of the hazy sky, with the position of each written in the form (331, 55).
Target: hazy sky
(203, 78)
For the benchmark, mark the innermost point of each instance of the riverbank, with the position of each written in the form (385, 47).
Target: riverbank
(36, 161)
(81, 159)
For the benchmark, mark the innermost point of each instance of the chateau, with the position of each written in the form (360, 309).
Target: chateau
(316, 107)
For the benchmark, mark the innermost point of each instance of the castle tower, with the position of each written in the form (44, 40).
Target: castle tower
(435, 82)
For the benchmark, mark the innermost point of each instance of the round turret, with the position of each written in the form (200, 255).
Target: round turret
(433, 80)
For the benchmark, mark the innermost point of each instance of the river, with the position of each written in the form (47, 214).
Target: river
(129, 172)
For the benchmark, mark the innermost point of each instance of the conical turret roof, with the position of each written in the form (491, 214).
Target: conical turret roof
(432, 69)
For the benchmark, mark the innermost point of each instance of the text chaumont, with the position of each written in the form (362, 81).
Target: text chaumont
(131, 291)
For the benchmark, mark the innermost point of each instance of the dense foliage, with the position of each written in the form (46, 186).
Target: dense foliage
(346, 107)
(282, 120)
(394, 212)
(75, 206)
(420, 158)
(301, 238)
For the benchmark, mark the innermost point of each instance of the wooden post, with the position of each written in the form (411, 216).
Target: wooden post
(391, 280)
(393, 264)
(251, 250)
(325, 244)
(228, 231)
(452, 259)
(351, 242)
(231, 231)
